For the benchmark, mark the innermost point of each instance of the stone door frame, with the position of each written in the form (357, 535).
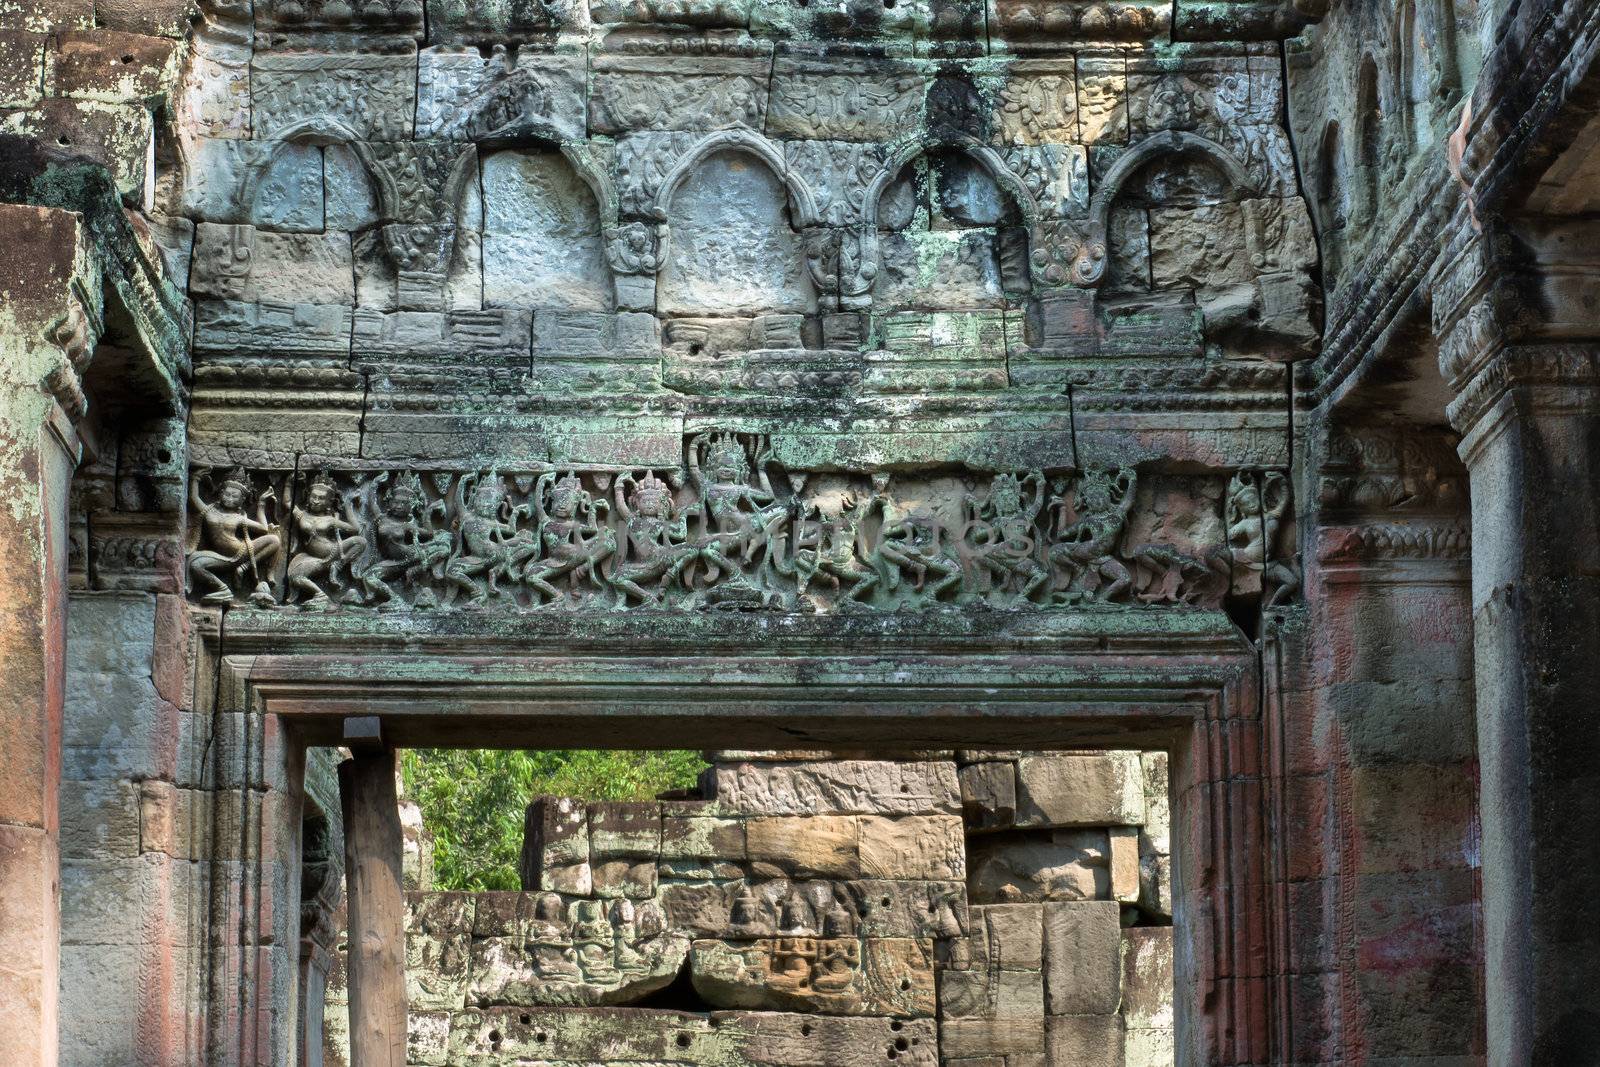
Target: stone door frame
(1190, 684)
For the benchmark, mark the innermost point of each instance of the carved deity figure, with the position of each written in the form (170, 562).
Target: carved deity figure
(329, 544)
(408, 547)
(744, 914)
(1085, 548)
(741, 518)
(235, 548)
(491, 547)
(628, 959)
(827, 546)
(1001, 529)
(1255, 511)
(594, 942)
(838, 959)
(912, 552)
(793, 963)
(573, 534)
(548, 946)
(653, 544)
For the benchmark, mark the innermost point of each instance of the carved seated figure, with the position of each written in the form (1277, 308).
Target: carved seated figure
(793, 959)
(549, 949)
(235, 549)
(629, 961)
(329, 544)
(838, 959)
(594, 943)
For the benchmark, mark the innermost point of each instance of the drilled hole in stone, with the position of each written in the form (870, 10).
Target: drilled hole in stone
(126, 60)
(901, 1044)
(684, 1040)
(805, 1030)
(526, 1019)
(905, 983)
(896, 1025)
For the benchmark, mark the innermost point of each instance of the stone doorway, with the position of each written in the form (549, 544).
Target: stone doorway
(1011, 688)
(798, 891)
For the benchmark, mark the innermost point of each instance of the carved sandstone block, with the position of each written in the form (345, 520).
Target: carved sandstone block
(624, 829)
(872, 908)
(982, 1037)
(846, 787)
(1083, 957)
(583, 952)
(630, 93)
(824, 846)
(991, 994)
(1087, 789)
(1063, 865)
(1038, 103)
(1102, 100)
(235, 327)
(245, 264)
(371, 95)
(864, 100)
(915, 846)
(1009, 937)
(989, 794)
(1200, 248)
(555, 846)
(438, 936)
(832, 975)
(1084, 1041)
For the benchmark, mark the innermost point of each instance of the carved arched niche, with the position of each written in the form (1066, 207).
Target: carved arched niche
(950, 236)
(1187, 232)
(733, 248)
(542, 234)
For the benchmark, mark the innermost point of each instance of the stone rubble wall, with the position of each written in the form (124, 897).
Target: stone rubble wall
(835, 897)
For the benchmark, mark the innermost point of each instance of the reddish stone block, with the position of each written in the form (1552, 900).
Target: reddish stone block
(112, 66)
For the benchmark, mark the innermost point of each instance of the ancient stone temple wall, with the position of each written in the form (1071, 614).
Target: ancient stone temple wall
(1211, 378)
(994, 908)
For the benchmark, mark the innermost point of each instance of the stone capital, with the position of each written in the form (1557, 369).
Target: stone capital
(1519, 306)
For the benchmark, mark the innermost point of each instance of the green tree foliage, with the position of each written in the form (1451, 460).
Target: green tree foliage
(472, 801)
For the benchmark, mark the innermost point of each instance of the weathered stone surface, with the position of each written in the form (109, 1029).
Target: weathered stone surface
(555, 846)
(1083, 958)
(989, 794)
(839, 975)
(1063, 865)
(1089, 1040)
(874, 908)
(823, 847)
(739, 1039)
(258, 266)
(541, 244)
(848, 787)
(1147, 977)
(1099, 789)
(913, 846)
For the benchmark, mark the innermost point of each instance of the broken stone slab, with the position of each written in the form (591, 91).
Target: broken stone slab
(844, 787)
(602, 1037)
(832, 975)
(1083, 957)
(1060, 865)
(579, 952)
(868, 908)
(1087, 789)
(555, 846)
(989, 795)
(438, 942)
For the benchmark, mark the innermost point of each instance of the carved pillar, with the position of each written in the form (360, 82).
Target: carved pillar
(45, 340)
(1521, 350)
(376, 963)
(1377, 754)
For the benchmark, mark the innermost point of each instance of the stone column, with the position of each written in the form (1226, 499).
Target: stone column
(45, 339)
(1519, 318)
(376, 910)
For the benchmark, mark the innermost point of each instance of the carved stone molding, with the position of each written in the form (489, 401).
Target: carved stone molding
(1396, 541)
(1562, 378)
